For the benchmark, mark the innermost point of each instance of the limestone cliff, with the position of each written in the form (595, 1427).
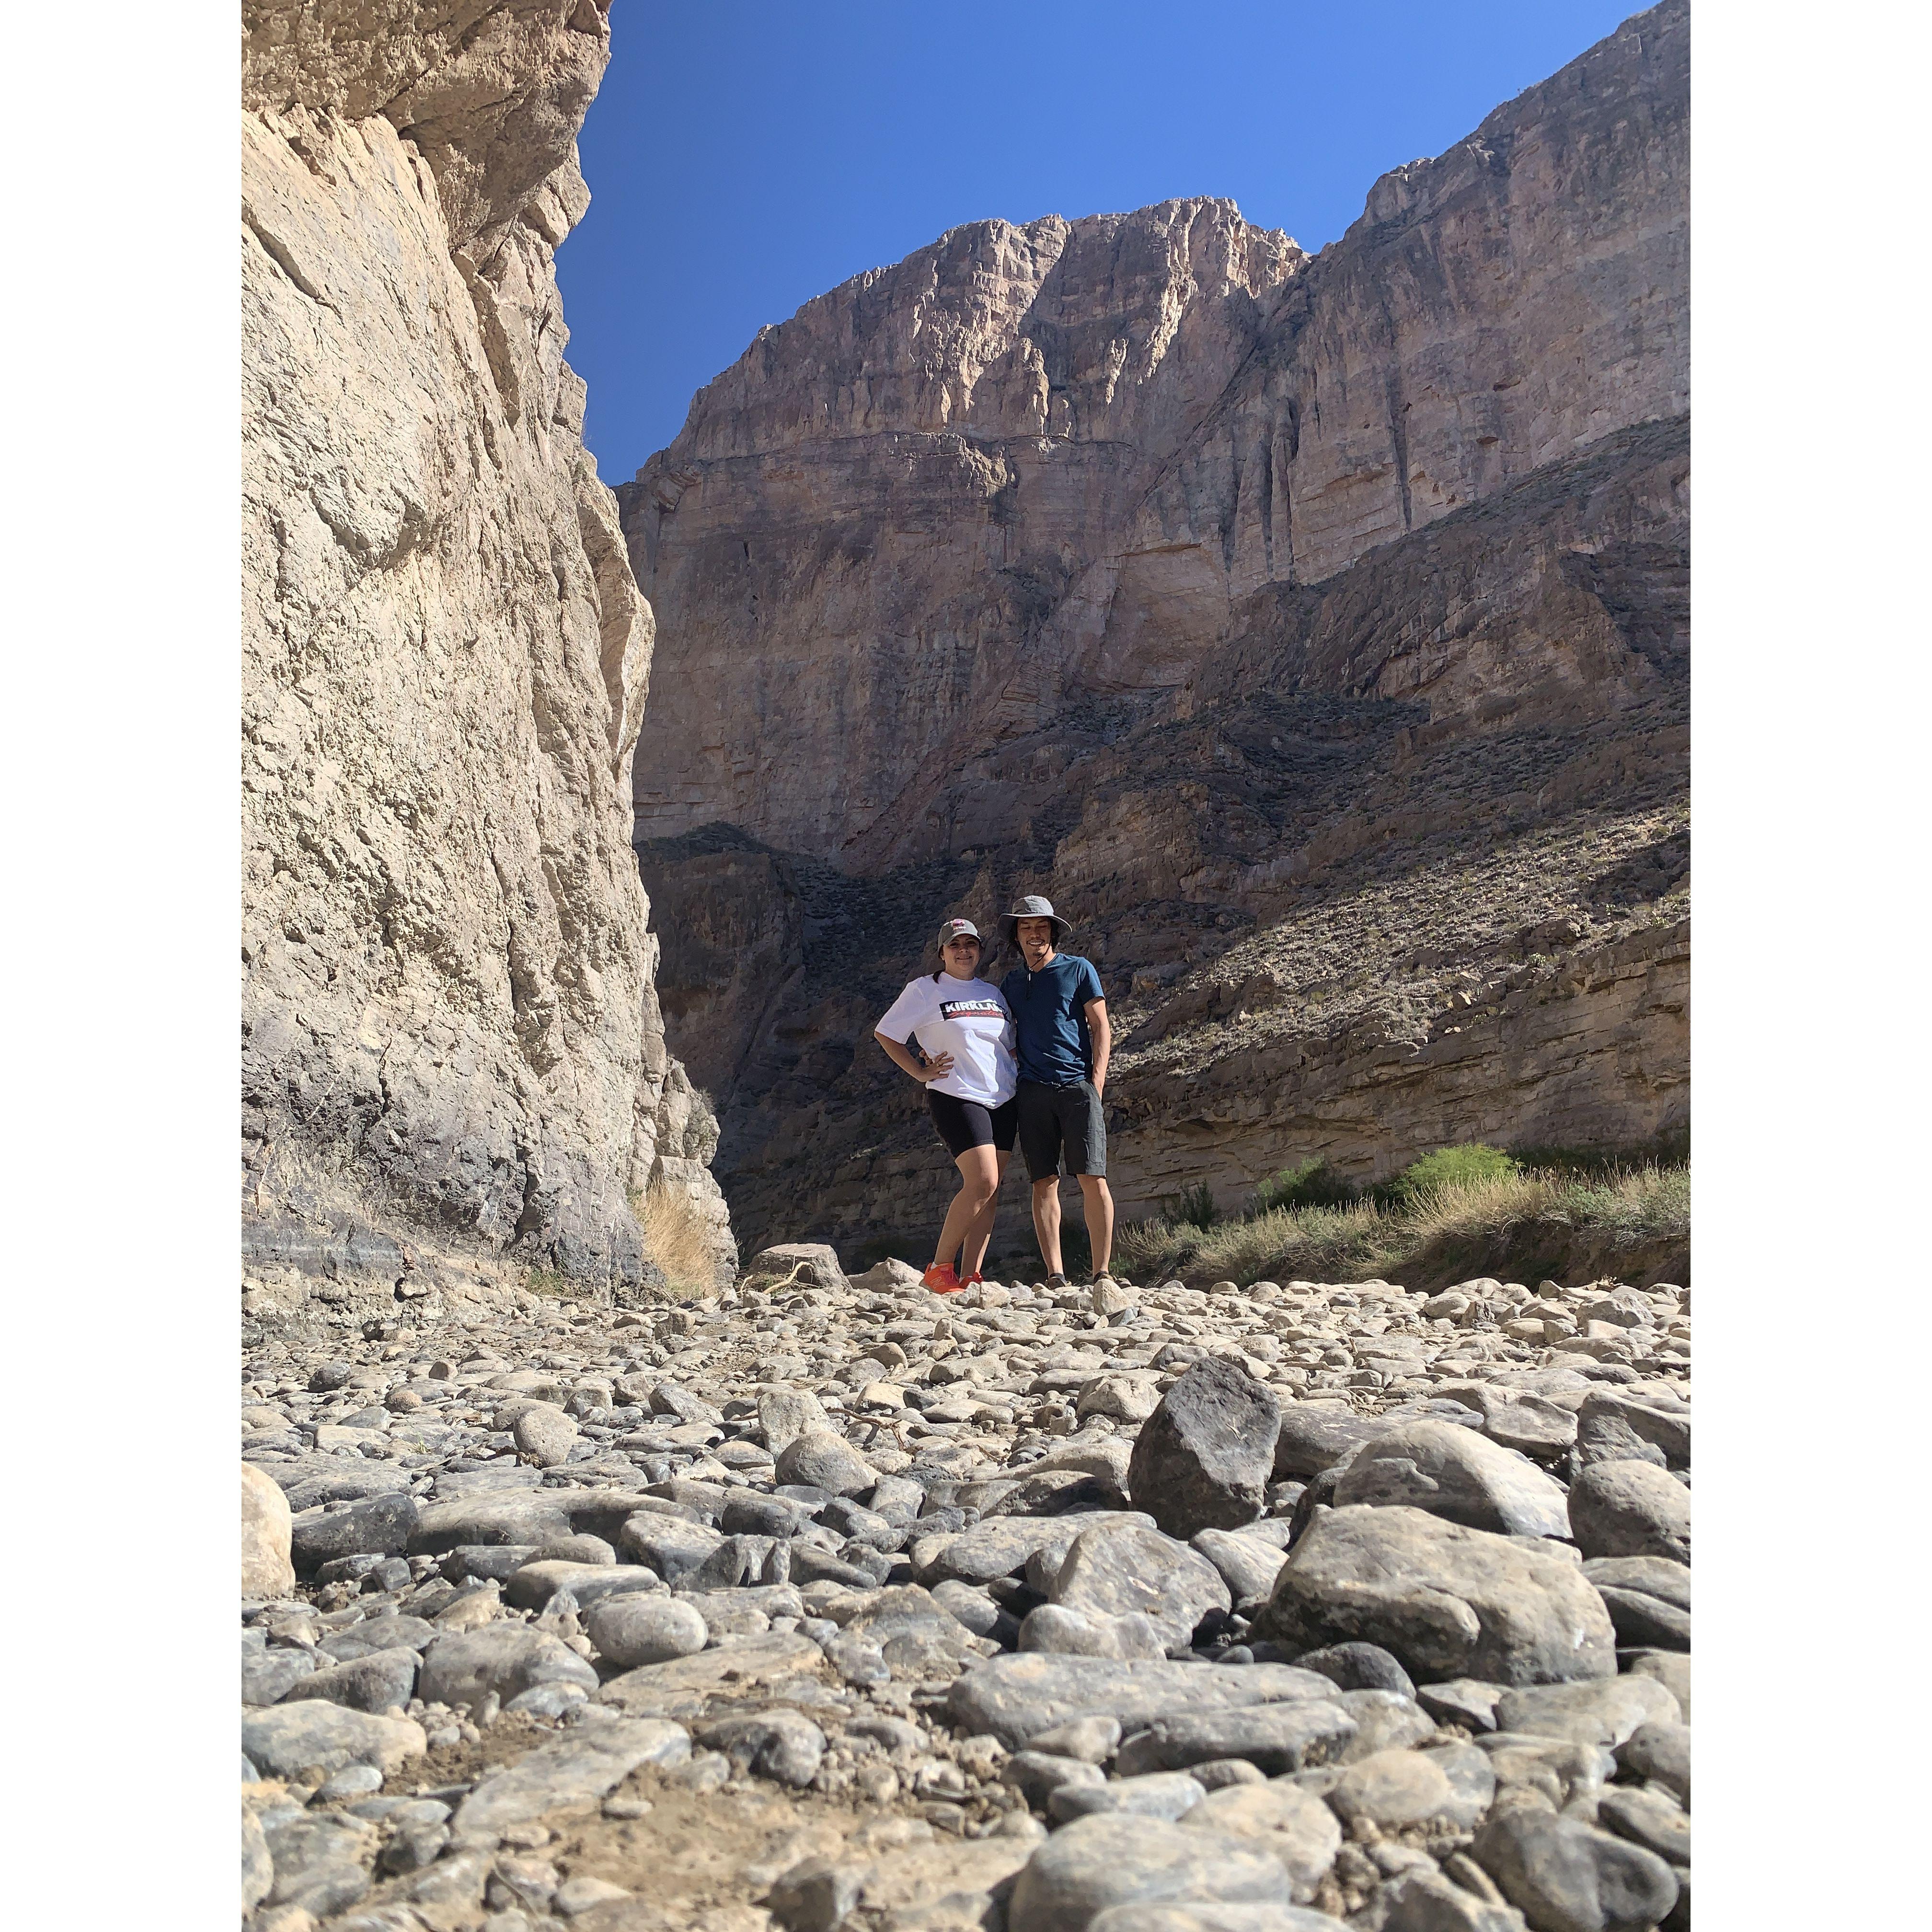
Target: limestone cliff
(452, 1044)
(1313, 629)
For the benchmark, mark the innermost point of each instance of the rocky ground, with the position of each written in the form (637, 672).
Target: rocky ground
(829, 1603)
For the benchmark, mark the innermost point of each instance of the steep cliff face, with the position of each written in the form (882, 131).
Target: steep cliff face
(1234, 597)
(452, 1044)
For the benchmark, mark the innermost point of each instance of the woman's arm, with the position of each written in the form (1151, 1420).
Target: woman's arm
(937, 1068)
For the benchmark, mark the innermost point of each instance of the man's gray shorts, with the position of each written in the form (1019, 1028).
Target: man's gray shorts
(1058, 1120)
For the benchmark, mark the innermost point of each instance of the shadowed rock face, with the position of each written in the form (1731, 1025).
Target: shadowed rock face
(1314, 629)
(452, 1039)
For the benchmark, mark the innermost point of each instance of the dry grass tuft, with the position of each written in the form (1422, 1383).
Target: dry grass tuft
(1362, 1240)
(677, 1237)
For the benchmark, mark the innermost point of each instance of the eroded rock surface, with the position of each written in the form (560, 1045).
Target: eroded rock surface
(1314, 629)
(452, 1044)
(653, 1685)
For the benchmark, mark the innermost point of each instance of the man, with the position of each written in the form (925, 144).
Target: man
(1063, 1042)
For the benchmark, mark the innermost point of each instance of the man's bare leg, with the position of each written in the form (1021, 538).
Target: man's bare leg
(1098, 1201)
(1046, 1221)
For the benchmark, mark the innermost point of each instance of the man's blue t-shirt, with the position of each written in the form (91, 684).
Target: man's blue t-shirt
(1049, 1009)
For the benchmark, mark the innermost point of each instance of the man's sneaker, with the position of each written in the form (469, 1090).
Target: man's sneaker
(1057, 1281)
(942, 1278)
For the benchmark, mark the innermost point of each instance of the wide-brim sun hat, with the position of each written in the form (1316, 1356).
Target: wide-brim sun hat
(1034, 907)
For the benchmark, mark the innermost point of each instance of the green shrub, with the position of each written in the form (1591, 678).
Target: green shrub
(1313, 1184)
(1469, 1166)
(1191, 1208)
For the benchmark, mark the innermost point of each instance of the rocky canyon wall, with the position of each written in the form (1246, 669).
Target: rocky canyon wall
(453, 1055)
(1314, 629)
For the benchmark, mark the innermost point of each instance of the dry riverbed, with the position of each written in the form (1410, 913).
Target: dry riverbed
(828, 1603)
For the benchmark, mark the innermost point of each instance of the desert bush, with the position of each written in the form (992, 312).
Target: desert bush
(1357, 1240)
(1192, 1207)
(1313, 1184)
(1450, 1167)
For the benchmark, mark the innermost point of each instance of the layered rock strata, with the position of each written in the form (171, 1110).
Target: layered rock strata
(1314, 629)
(452, 1044)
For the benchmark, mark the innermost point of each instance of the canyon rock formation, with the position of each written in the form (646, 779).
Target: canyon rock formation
(453, 1052)
(1313, 629)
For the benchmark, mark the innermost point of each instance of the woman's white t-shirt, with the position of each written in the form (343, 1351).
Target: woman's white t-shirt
(968, 1019)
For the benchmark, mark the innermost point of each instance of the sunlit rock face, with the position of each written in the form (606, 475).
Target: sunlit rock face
(451, 1040)
(1314, 629)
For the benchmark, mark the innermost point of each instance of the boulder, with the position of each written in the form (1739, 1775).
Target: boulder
(572, 1771)
(1014, 1698)
(1563, 1875)
(1279, 1817)
(785, 1414)
(809, 1264)
(1443, 1600)
(1456, 1474)
(266, 1524)
(633, 1630)
(378, 1681)
(1630, 1509)
(545, 1434)
(821, 1460)
(1603, 1712)
(1277, 1738)
(1121, 1568)
(1205, 1458)
(1114, 1860)
(375, 1526)
(1065, 1633)
(1648, 1598)
(1314, 1436)
(1248, 1565)
(288, 1739)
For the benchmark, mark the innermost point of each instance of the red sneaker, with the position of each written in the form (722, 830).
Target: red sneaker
(973, 1280)
(942, 1280)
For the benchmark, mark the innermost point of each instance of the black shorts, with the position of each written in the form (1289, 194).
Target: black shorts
(966, 1123)
(1056, 1119)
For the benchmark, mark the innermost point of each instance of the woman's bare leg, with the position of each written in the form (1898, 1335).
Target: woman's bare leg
(978, 1188)
(974, 1252)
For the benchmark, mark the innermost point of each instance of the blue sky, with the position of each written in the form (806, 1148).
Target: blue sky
(745, 156)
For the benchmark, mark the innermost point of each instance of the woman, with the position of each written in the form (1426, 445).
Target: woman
(964, 1028)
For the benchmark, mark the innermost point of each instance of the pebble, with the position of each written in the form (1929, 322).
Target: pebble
(374, 1682)
(777, 1743)
(940, 1581)
(1159, 1794)
(464, 1667)
(1293, 1735)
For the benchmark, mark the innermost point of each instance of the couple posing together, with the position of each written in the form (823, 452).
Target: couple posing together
(1024, 1060)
